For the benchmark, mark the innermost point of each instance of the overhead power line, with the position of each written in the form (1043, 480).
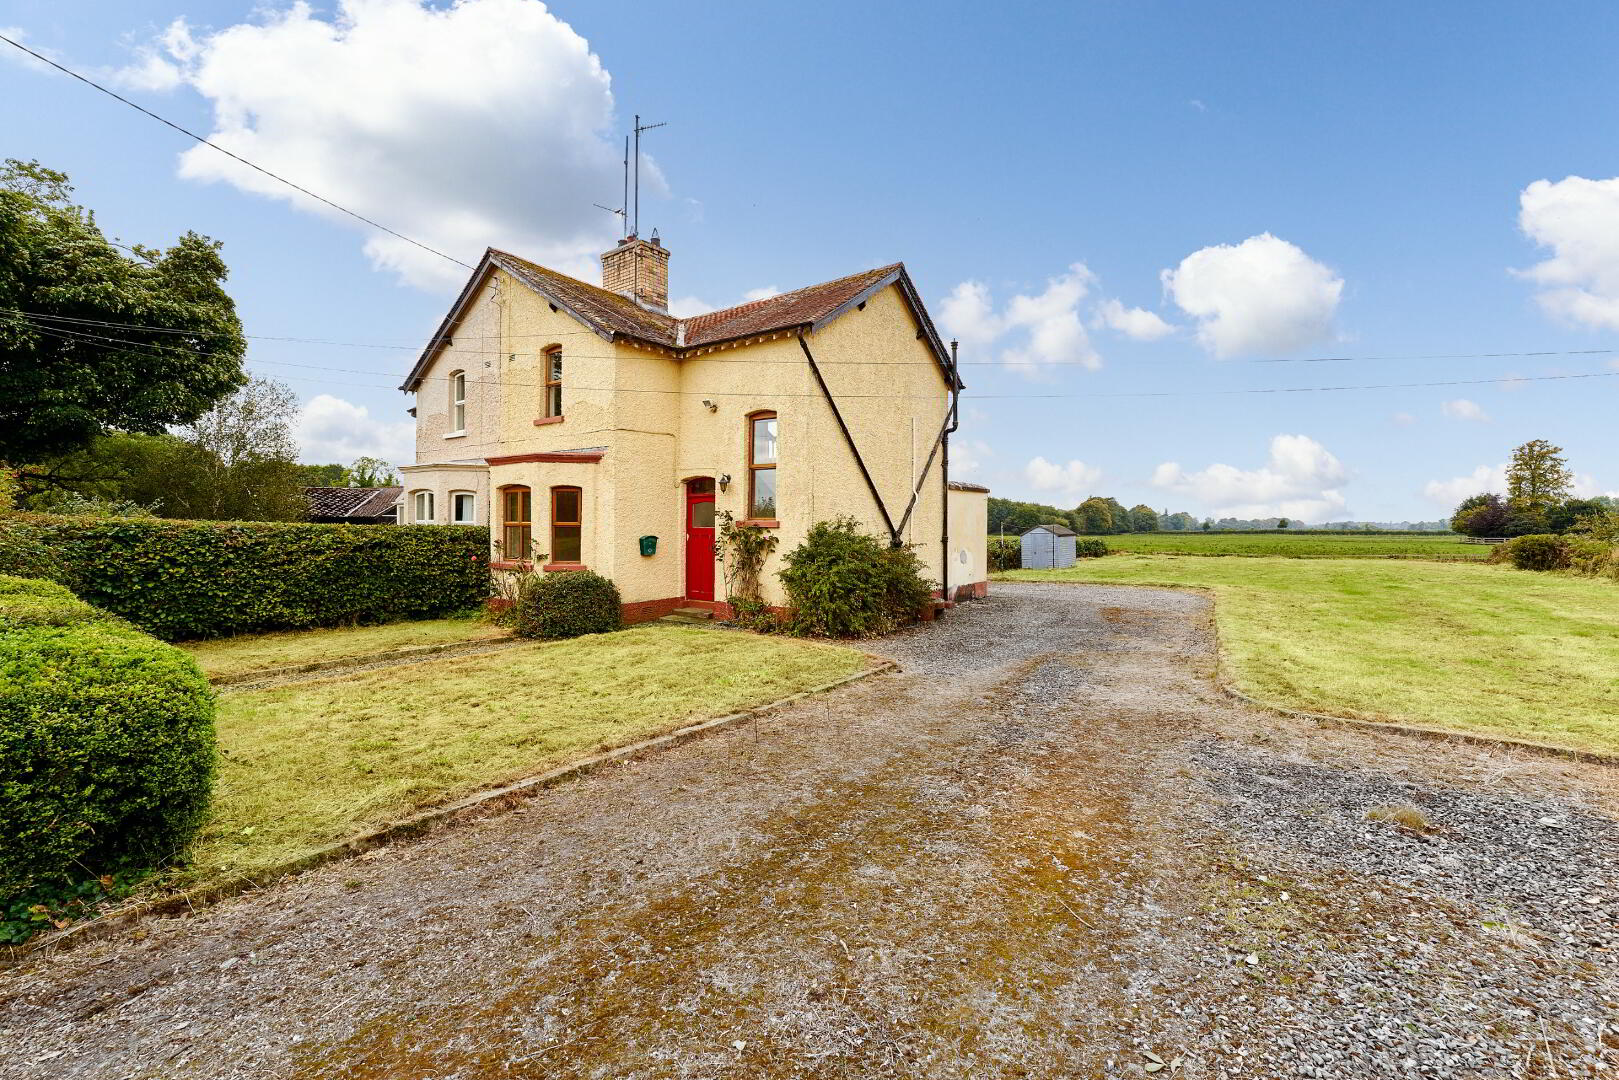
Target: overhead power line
(37, 317)
(106, 342)
(234, 156)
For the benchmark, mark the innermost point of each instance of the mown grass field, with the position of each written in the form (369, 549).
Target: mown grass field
(1462, 646)
(307, 764)
(225, 657)
(1330, 545)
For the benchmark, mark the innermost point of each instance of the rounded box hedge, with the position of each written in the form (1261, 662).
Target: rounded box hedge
(565, 605)
(106, 742)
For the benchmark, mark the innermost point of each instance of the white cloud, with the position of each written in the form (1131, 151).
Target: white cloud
(1404, 419)
(484, 122)
(1263, 296)
(1300, 479)
(684, 307)
(1036, 330)
(968, 315)
(1463, 409)
(761, 294)
(1586, 486)
(1578, 219)
(17, 33)
(1198, 104)
(1483, 479)
(1136, 323)
(968, 458)
(330, 429)
(1074, 479)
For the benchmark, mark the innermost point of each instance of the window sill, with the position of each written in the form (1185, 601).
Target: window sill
(542, 421)
(563, 567)
(510, 564)
(456, 435)
(760, 523)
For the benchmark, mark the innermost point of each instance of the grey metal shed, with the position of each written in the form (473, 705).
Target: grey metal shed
(1048, 547)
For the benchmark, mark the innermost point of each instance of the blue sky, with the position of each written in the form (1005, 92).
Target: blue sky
(1323, 179)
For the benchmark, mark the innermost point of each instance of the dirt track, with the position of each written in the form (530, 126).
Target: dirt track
(1049, 849)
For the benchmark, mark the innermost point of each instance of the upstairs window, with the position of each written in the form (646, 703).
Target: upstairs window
(422, 507)
(458, 401)
(762, 466)
(551, 389)
(566, 526)
(463, 507)
(516, 523)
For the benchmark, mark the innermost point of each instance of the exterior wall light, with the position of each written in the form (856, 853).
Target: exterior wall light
(724, 480)
(710, 406)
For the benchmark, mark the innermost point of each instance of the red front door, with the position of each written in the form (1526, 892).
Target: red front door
(700, 539)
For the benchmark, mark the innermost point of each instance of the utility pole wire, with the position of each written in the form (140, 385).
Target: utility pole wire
(229, 154)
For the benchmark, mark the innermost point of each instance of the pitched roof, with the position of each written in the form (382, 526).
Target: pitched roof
(963, 485)
(1054, 530)
(351, 501)
(618, 317)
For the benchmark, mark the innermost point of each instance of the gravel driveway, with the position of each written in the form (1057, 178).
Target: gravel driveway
(1047, 849)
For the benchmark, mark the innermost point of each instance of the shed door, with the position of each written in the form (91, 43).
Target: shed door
(700, 539)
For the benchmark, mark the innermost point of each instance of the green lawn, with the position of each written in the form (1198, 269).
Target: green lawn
(1330, 545)
(1462, 646)
(310, 763)
(232, 656)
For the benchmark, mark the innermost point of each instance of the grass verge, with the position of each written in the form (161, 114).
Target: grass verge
(1303, 546)
(308, 764)
(228, 657)
(1464, 647)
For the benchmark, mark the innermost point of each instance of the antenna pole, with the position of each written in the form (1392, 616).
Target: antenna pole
(626, 200)
(639, 127)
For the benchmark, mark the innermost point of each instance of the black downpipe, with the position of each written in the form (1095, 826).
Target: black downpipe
(871, 485)
(944, 471)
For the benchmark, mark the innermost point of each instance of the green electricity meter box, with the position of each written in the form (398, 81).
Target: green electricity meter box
(649, 545)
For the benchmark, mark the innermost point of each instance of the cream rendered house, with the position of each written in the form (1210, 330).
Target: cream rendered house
(587, 426)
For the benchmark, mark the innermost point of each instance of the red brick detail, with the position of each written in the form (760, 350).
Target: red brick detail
(542, 421)
(560, 455)
(563, 567)
(976, 591)
(496, 603)
(761, 523)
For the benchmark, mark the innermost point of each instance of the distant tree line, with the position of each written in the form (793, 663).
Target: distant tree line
(1538, 499)
(1102, 516)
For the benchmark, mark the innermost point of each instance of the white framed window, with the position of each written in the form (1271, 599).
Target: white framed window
(421, 505)
(458, 401)
(463, 508)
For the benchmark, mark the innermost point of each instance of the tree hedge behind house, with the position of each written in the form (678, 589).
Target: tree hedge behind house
(106, 743)
(197, 579)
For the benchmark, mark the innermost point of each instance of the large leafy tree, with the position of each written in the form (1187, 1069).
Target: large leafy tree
(1094, 516)
(1143, 518)
(1538, 478)
(93, 339)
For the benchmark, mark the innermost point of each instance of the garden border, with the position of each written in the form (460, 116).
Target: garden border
(417, 824)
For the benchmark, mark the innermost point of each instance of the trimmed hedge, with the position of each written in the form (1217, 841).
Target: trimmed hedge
(1090, 547)
(26, 552)
(199, 579)
(1005, 553)
(565, 605)
(106, 742)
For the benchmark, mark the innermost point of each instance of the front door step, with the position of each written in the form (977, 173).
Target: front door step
(693, 613)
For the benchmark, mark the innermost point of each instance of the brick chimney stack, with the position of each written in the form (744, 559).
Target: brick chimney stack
(638, 269)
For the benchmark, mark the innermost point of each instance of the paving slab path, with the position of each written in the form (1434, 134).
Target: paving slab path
(1048, 848)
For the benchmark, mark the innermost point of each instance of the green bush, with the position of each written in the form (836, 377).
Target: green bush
(106, 743)
(568, 604)
(197, 579)
(1090, 547)
(842, 582)
(1592, 557)
(1005, 553)
(1537, 551)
